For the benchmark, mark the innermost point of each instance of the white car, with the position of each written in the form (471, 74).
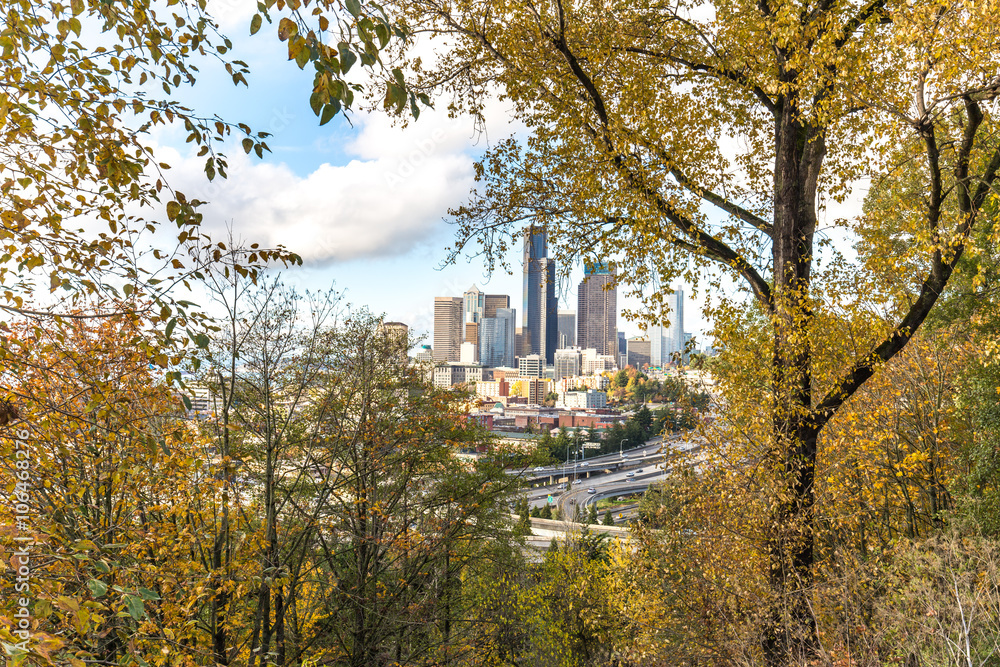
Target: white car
(591, 490)
(631, 474)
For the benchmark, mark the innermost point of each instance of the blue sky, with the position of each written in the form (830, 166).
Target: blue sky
(362, 202)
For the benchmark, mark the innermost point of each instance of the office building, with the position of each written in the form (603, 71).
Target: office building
(454, 373)
(496, 338)
(492, 302)
(567, 328)
(667, 341)
(568, 362)
(448, 327)
(531, 366)
(597, 310)
(539, 317)
(399, 334)
(637, 352)
(475, 304)
(589, 399)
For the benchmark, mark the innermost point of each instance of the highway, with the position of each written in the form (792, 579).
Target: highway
(637, 469)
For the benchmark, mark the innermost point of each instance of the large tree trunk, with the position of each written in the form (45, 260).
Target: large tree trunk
(790, 635)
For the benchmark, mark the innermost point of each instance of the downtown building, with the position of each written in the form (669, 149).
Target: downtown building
(448, 328)
(667, 341)
(597, 310)
(539, 317)
(567, 329)
(496, 338)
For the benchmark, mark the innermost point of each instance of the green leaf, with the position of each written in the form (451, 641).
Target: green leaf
(97, 588)
(302, 57)
(329, 111)
(102, 567)
(347, 57)
(170, 327)
(147, 594)
(354, 7)
(201, 340)
(255, 24)
(383, 35)
(135, 607)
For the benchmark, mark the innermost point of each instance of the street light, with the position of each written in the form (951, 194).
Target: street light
(621, 445)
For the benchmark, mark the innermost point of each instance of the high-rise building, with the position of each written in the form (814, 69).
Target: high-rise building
(399, 333)
(448, 325)
(597, 310)
(539, 318)
(475, 304)
(531, 366)
(494, 301)
(568, 362)
(637, 353)
(567, 329)
(665, 341)
(496, 338)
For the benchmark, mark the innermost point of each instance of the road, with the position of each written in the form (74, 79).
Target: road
(639, 467)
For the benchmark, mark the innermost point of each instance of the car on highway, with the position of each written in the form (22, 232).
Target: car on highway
(639, 470)
(561, 486)
(631, 474)
(539, 468)
(624, 456)
(591, 490)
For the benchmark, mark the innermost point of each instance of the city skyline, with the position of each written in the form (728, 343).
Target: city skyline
(477, 328)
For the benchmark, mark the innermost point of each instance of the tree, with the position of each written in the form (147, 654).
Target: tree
(85, 84)
(608, 520)
(120, 481)
(592, 514)
(630, 111)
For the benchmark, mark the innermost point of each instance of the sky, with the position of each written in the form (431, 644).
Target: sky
(363, 202)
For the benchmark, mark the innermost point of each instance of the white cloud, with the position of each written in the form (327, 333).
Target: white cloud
(382, 204)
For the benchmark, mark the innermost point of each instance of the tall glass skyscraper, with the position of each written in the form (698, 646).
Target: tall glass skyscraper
(664, 341)
(496, 339)
(539, 316)
(597, 309)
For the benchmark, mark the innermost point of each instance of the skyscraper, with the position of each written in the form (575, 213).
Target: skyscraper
(494, 301)
(567, 328)
(448, 327)
(496, 339)
(597, 309)
(475, 304)
(539, 318)
(664, 341)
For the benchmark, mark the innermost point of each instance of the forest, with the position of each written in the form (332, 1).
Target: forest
(257, 476)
